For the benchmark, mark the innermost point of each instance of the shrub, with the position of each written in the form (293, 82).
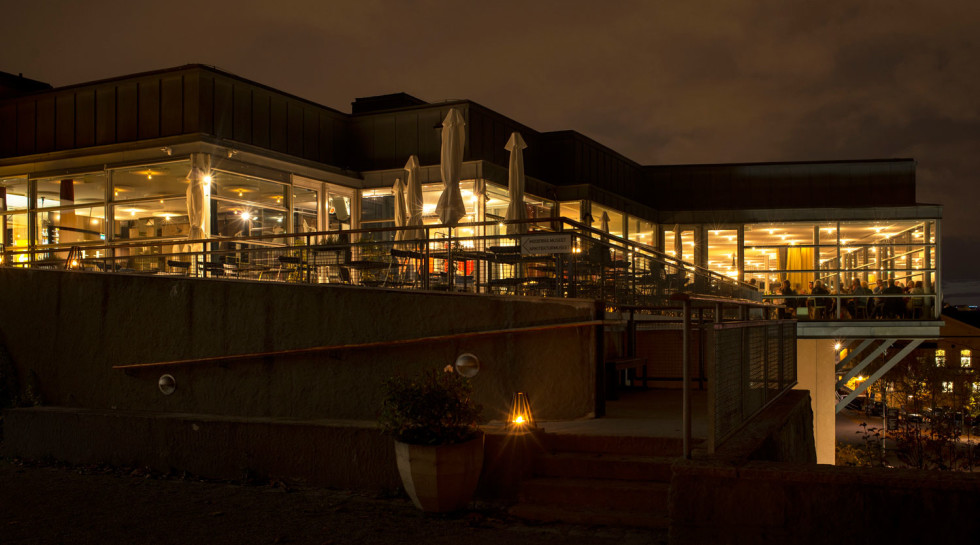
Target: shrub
(432, 408)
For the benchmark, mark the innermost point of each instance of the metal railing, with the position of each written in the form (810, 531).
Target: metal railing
(858, 307)
(752, 363)
(557, 257)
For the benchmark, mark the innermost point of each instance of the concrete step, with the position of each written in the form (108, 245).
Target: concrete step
(616, 444)
(589, 516)
(642, 497)
(594, 465)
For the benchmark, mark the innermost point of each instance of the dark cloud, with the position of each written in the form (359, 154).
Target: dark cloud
(661, 82)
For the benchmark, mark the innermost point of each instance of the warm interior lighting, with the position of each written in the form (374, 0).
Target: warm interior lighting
(520, 417)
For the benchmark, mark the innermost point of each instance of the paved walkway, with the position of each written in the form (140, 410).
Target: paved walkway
(642, 413)
(46, 504)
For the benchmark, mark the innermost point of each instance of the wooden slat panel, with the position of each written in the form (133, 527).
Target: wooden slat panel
(224, 108)
(384, 141)
(260, 118)
(243, 113)
(64, 111)
(8, 130)
(192, 102)
(45, 123)
(294, 123)
(406, 135)
(430, 142)
(278, 123)
(207, 104)
(126, 112)
(105, 115)
(26, 127)
(311, 133)
(171, 106)
(85, 118)
(149, 109)
(326, 153)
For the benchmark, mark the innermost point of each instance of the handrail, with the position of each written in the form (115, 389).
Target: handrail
(361, 346)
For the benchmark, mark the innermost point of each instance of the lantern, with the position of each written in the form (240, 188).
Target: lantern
(520, 417)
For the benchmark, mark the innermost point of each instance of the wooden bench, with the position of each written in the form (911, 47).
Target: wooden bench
(614, 375)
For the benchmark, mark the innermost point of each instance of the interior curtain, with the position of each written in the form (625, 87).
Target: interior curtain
(799, 259)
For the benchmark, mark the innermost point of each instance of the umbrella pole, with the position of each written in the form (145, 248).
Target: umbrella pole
(451, 265)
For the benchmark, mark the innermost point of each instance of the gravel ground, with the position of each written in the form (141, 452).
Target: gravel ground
(50, 503)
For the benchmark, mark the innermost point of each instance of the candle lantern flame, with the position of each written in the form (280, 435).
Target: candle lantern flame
(520, 417)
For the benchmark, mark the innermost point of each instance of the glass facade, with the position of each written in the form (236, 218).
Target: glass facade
(149, 202)
(838, 253)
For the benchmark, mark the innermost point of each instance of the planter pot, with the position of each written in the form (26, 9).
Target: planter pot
(440, 478)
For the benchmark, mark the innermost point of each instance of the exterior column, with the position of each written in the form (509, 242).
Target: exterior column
(740, 252)
(815, 372)
(678, 243)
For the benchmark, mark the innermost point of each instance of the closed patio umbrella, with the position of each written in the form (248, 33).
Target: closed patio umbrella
(197, 210)
(401, 214)
(198, 214)
(515, 184)
(450, 207)
(604, 222)
(413, 200)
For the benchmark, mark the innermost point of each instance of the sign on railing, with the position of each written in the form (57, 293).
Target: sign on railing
(546, 244)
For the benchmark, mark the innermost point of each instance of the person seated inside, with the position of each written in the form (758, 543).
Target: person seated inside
(821, 305)
(916, 302)
(790, 302)
(894, 306)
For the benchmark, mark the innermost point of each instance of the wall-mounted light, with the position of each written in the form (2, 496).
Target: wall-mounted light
(467, 365)
(167, 384)
(168, 150)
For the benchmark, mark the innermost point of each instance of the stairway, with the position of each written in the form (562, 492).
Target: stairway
(600, 480)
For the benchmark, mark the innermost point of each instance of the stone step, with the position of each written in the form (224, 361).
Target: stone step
(593, 465)
(590, 516)
(642, 497)
(616, 444)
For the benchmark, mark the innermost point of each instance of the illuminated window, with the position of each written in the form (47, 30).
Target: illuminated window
(976, 387)
(966, 358)
(947, 387)
(940, 358)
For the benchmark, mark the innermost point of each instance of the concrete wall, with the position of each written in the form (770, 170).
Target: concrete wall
(815, 361)
(65, 330)
(763, 487)
(340, 454)
(770, 502)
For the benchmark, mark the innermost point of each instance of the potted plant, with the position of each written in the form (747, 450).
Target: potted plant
(438, 446)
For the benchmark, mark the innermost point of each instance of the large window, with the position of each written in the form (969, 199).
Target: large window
(13, 212)
(70, 209)
(840, 253)
(150, 201)
(246, 206)
(642, 231)
(966, 358)
(940, 358)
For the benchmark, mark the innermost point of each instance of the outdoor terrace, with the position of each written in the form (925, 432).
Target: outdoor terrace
(553, 257)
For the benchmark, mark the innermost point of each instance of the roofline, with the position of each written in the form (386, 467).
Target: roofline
(186, 67)
(784, 163)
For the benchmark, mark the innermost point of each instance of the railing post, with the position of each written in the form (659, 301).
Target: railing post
(685, 374)
(425, 261)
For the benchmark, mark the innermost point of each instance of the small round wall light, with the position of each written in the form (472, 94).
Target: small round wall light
(167, 384)
(467, 365)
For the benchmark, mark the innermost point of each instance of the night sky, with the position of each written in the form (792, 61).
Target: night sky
(660, 82)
